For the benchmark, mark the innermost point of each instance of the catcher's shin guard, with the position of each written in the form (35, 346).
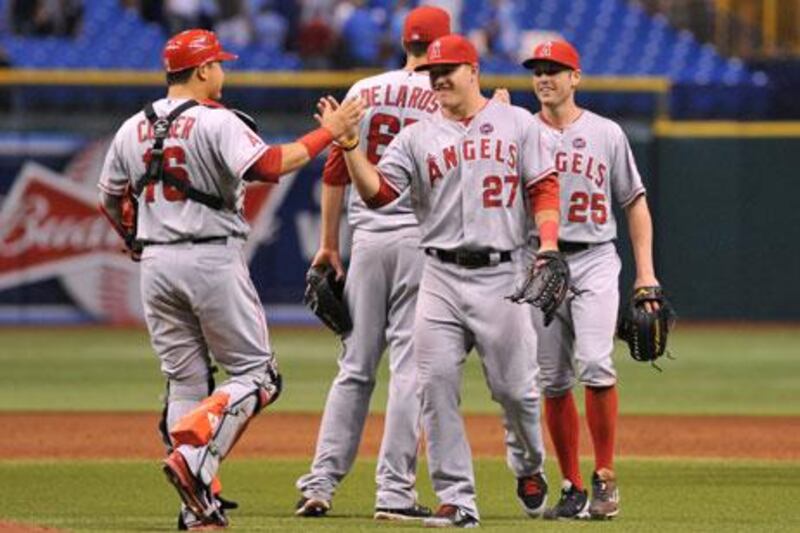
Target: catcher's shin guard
(208, 433)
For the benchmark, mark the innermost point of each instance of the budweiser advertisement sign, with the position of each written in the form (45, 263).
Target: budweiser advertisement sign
(50, 227)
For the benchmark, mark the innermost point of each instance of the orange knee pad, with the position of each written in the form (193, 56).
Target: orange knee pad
(197, 427)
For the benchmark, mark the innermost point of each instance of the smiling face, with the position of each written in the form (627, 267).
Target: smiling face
(452, 83)
(553, 83)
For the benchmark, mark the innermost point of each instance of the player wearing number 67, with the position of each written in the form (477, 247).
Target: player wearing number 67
(187, 160)
(380, 293)
(595, 164)
(476, 172)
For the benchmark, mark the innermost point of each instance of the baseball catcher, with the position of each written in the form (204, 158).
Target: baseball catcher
(645, 327)
(545, 285)
(324, 295)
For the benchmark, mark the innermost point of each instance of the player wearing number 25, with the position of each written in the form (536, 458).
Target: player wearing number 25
(475, 171)
(595, 164)
(186, 160)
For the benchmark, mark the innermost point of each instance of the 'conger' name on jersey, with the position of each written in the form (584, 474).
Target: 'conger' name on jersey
(400, 96)
(180, 128)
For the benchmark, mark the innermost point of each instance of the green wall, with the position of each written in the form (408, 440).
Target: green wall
(727, 223)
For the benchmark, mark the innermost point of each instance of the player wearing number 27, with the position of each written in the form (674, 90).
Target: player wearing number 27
(595, 163)
(476, 171)
(199, 301)
(381, 294)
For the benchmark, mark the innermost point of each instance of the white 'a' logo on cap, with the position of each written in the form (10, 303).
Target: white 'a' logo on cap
(547, 49)
(436, 50)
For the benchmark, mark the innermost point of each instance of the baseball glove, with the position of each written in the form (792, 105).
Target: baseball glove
(324, 295)
(545, 285)
(646, 332)
(130, 209)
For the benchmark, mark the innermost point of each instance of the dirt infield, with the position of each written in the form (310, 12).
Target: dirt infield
(134, 435)
(16, 527)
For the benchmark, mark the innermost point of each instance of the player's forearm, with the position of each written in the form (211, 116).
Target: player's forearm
(544, 197)
(307, 147)
(282, 159)
(547, 224)
(111, 207)
(331, 205)
(640, 228)
(363, 174)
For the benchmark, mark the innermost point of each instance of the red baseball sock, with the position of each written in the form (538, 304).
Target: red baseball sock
(601, 416)
(561, 416)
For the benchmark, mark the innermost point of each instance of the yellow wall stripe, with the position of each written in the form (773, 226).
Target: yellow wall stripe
(297, 80)
(731, 129)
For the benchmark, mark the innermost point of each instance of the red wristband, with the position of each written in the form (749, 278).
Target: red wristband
(548, 231)
(316, 141)
(386, 194)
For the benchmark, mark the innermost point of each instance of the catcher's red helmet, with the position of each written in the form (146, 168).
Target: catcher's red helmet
(191, 48)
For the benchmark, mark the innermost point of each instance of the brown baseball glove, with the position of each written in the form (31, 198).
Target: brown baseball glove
(545, 285)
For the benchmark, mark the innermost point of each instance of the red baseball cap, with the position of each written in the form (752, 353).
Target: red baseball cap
(192, 48)
(451, 49)
(560, 52)
(426, 24)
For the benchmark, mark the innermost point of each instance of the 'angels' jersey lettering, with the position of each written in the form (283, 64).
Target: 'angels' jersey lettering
(468, 181)
(209, 147)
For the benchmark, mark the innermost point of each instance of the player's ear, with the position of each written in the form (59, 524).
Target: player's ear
(202, 71)
(575, 75)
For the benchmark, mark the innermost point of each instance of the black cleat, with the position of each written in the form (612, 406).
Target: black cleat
(573, 504)
(532, 494)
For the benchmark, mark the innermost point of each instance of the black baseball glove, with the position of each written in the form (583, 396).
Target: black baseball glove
(545, 285)
(646, 332)
(324, 295)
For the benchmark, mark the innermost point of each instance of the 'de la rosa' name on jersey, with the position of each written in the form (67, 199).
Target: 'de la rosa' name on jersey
(468, 180)
(595, 164)
(393, 100)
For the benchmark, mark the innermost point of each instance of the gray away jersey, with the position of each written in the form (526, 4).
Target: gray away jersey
(468, 182)
(594, 163)
(209, 147)
(394, 100)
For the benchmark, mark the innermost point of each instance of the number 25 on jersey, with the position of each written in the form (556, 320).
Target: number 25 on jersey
(581, 206)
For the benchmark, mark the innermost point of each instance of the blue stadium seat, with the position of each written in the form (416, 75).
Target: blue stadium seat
(615, 37)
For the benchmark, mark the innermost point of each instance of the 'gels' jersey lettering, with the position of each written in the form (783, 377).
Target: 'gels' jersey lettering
(594, 162)
(469, 180)
(209, 147)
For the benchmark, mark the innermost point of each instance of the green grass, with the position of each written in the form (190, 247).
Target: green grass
(656, 495)
(717, 371)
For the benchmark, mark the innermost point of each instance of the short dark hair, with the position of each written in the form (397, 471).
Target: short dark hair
(416, 48)
(180, 77)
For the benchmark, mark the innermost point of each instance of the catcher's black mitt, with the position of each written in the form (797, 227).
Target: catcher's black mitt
(324, 295)
(646, 332)
(545, 285)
